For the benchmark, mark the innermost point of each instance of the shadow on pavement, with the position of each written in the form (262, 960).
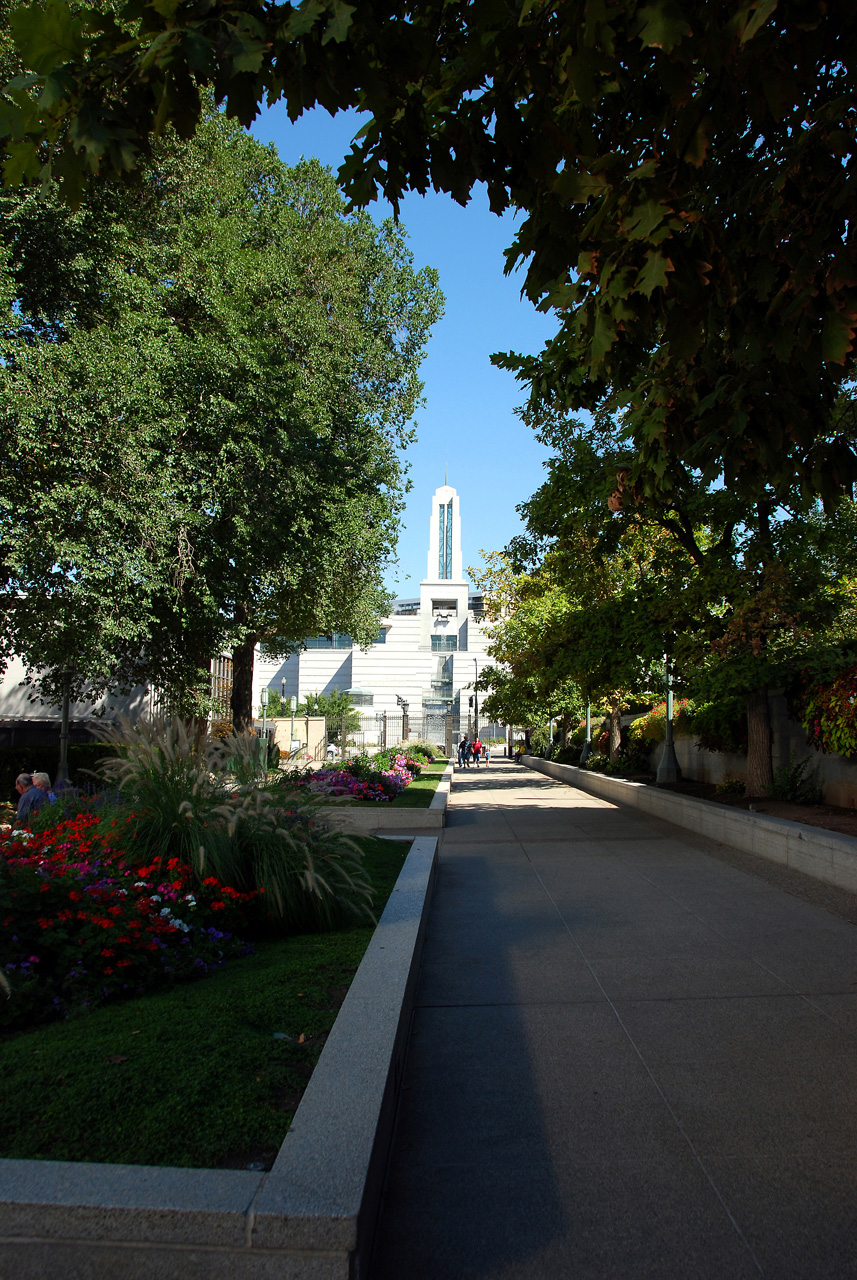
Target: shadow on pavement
(470, 1187)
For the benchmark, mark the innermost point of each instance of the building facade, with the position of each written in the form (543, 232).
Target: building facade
(428, 652)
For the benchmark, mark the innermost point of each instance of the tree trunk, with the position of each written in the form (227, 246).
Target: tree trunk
(615, 729)
(760, 774)
(241, 700)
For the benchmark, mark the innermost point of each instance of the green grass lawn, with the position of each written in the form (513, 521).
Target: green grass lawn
(208, 1075)
(418, 795)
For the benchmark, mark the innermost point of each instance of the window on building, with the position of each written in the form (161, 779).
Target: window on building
(337, 641)
(444, 541)
(444, 644)
(381, 637)
(444, 606)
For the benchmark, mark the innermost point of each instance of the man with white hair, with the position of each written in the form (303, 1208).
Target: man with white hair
(31, 797)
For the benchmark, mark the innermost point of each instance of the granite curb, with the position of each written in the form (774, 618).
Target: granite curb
(826, 855)
(310, 1218)
(366, 818)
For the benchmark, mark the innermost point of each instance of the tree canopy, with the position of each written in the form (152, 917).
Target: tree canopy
(740, 594)
(206, 392)
(687, 172)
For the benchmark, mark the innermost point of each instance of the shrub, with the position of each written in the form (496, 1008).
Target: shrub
(184, 794)
(648, 730)
(829, 714)
(720, 725)
(793, 782)
(730, 787)
(597, 762)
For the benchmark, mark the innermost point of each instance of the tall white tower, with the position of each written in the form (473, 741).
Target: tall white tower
(444, 591)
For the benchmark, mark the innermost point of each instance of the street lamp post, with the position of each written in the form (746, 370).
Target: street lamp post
(668, 766)
(263, 751)
(62, 771)
(475, 700)
(587, 746)
(294, 709)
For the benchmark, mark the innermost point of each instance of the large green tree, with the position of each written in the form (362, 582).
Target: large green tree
(739, 594)
(687, 170)
(214, 390)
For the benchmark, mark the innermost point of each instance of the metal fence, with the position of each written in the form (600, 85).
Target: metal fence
(374, 731)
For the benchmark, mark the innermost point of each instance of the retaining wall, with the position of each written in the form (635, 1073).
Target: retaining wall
(836, 774)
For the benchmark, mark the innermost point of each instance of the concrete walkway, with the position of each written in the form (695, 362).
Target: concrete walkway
(628, 1058)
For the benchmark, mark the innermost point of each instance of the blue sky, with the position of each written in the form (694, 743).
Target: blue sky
(467, 423)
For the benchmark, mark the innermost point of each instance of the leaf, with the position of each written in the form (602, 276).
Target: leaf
(603, 337)
(653, 275)
(644, 219)
(662, 25)
(337, 27)
(762, 11)
(47, 37)
(302, 19)
(697, 148)
(116, 1058)
(836, 337)
(166, 8)
(577, 187)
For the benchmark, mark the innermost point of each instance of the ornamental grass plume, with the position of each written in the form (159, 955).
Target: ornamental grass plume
(186, 794)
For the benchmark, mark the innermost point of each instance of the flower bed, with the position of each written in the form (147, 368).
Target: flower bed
(81, 922)
(378, 778)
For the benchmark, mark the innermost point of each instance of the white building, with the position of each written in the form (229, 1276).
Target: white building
(428, 652)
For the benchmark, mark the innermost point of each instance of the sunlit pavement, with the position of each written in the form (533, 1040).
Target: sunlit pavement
(628, 1058)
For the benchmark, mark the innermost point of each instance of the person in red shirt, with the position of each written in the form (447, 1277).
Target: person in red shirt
(477, 748)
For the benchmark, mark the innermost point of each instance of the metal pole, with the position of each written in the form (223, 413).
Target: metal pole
(585, 753)
(668, 766)
(62, 771)
(263, 746)
(476, 699)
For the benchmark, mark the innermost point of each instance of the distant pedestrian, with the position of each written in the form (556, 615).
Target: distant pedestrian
(468, 751)
(486, 753)
(461, 752)
(477, 750)
(31, 798)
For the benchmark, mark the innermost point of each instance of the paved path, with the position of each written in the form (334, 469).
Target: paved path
(628, 1059)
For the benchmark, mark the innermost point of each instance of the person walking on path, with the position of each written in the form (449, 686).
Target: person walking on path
(477, 750)
(461, 752)
(486, 753)
(31, 798)
(468, 751)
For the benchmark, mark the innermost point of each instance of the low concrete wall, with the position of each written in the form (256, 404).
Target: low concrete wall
(311, 1218)
(363, 817)
(827, 855)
